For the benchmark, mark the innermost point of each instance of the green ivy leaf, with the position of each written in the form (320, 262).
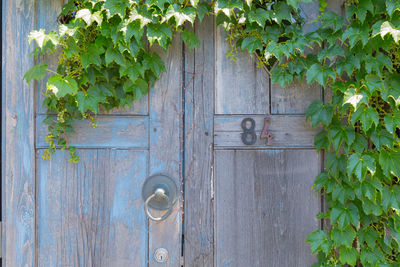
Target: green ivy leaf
(372, 256)
(37, 73)
(351, 96)
(389, 161)
(374, 83)
(342, 193)
(321, 141)
(360, 10)
(190, 39)
(113, 55)
(356, 33)
(331, 19)
(282, 76)
(320, 74)
(160, 33)
(382, 138)
(92, 56)
(367, 116)
(180, 15)
(61, 86)
(387, 28)
(343, 237)
(345, 215)
(368, 235)
(359, 165)
(323, 180)
(90, 100)
(88, 17)
(392, 121)
(319, 241)
(318, 113)
(392, 6)
(348, 255)
(116, 7)
(154, 63)
(260, 16)
(251, 44)
(338, 135)
(391, 197)
(392, 88)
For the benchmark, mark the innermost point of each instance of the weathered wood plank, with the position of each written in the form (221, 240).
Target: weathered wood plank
(111, 131)
(166, 145)
(199, 104)
(240, 87)
(265, 207)
(288, 131)
(91, 213)
(18, 155)
(294, 98)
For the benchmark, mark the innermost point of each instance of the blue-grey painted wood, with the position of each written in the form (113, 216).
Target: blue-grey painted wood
(199, 107)
(111, 132)
(166, 149)
(18, 155)
(91, 213)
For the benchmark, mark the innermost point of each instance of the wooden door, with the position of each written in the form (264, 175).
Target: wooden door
(239, 205)
(246, 205)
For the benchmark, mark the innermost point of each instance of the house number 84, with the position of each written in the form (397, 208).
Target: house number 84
(249, 136)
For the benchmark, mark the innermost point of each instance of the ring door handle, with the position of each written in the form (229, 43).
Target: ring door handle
(158, 194)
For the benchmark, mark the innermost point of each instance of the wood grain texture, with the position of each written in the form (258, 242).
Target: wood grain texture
(166, 149)
(264, 207)
(111, 132)
(294, 98)
(18, 155)
(288, 131)
(91, 213)
(199, 104)
(240, 87)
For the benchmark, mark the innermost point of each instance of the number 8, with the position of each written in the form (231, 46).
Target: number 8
(248, 132)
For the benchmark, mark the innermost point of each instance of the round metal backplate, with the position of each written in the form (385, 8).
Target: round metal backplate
(160, 181)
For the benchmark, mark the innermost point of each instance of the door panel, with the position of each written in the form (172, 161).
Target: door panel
(264, 207)
(166, 149)
(240, 86)
(91, 213)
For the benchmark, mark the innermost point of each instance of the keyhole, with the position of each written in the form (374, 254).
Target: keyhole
(161, 255)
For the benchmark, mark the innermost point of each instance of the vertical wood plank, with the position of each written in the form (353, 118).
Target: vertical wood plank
(296, 97)
(199, 104)
(166, 147)
(240, 87)
(18, 156)
(265, 207)
(91, 213)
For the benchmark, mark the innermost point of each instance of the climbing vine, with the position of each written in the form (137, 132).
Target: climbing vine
(104, 59)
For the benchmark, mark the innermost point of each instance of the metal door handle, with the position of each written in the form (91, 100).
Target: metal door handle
(158, 194)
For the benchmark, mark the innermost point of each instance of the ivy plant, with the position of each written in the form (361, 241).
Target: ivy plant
(104, 59)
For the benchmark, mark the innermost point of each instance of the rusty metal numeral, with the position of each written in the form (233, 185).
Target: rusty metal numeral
(266, 134)
(249, 136)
